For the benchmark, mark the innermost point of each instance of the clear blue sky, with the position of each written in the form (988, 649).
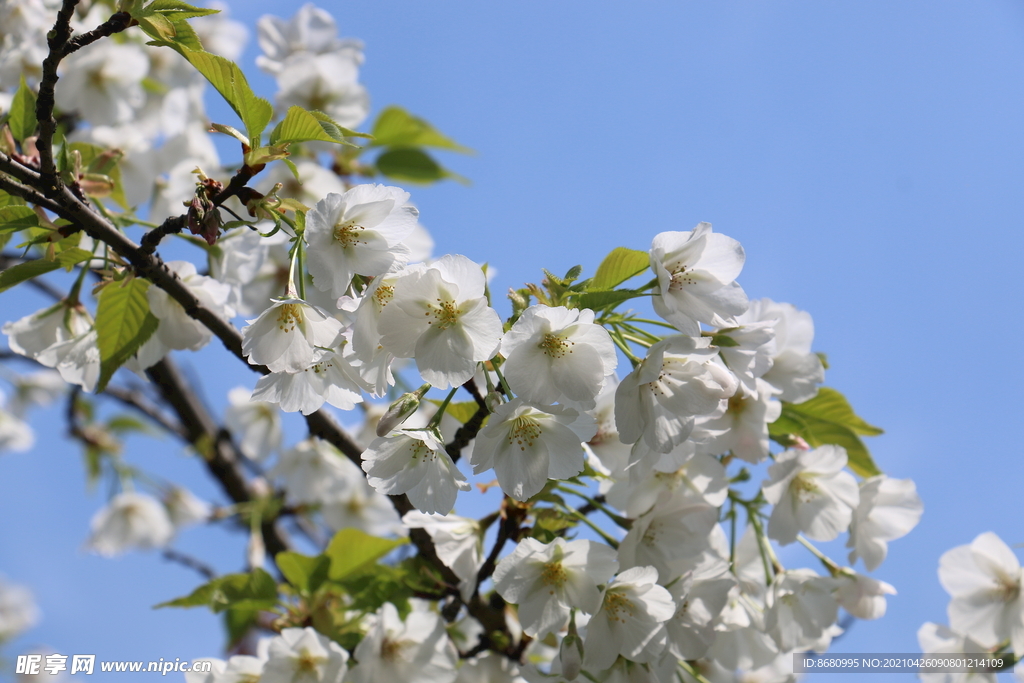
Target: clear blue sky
(868, 156)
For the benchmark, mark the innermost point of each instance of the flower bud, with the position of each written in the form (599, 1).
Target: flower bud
(256, 551)
(493, 400)
(399, 411)
(570, 654)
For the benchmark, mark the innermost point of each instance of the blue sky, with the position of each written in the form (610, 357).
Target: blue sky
(867, 155)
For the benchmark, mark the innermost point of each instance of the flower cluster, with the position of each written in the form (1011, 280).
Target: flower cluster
(633, 541)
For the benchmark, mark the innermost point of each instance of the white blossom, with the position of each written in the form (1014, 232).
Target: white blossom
(358, 232)
(313, 472)
(130, 521)
(527, 444)
(554, 354)
(334, 378)
(184, 508)
(360, 507)
(104, 83)
(255, 424)
(18, 611)
(796, 371)
(547, 580)
(177, 329)
(301, 655)
(888, 509)
(628, 623)
(696, 272)
(811, 493)
(440, 317)
(289, 336)
(312, 30)
(863, 596)
(800, 608)
(985, 581)
(676, 528)
(414, 463)
(15, 434)
(743, 427)
(414, 651)
(458, 542)
(675, 382)
(938, 639)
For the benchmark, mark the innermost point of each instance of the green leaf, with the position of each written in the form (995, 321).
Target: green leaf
(25, 271)
(177, 9)
(461, 411)
(68, 258)
(200, 597)
(828, 419)
(600, 300)
(224, 75)
(10, 200)
(123, 324)
(302, 571)
(374, 585)
(618, 266)
(254, 591)
(351, 549)
(237, 623)
(300, 125)
(23, 112)
(413, 165)
(15, 218)
(96, 159)
(395, 127)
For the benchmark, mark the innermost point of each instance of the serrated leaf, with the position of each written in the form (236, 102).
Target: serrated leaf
(395, 127)
(22, 119)
(10, 200)
(68, 258)
(302, 571)
(15, 218)
(351, 549)
(413, 165)
(299, 125)
(225, 76)
(123, 324)
(177, 9)
(600, 300)
(828, 419)
(618, 266)
(25, 271)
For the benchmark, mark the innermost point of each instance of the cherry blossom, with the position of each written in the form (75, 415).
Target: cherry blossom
(359, 231)
(414, 463)
(696, 272)
(527, 444)
(130, 520)
(547, 580)
(554, 354)
(440, 317)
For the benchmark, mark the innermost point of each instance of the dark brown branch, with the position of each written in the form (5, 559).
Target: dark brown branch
(136, 400)
(222, 458)
(57, 40)
(117, 22)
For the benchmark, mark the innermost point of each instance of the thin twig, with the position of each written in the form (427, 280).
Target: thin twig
(192, 563)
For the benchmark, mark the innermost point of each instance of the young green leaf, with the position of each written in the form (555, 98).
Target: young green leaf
(123, 324)
(22, 118)
(302, 571)
(828, 419)
(618, 266)
(25, 271)
(603, 299)
(395, 127)
(413, 165)
(300, 125)
(177, 9)
(15, 218)
(351, 549)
